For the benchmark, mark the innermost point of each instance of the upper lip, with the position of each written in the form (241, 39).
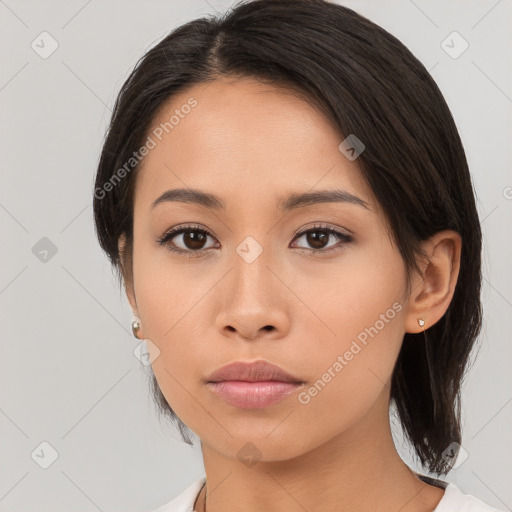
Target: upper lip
(251, 372)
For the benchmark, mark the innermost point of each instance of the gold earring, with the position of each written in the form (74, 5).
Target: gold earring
(421, 322)
(135, 328)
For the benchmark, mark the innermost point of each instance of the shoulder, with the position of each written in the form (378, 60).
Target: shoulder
(184, 502)
(454, 500)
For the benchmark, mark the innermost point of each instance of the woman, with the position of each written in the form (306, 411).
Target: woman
(286, 198)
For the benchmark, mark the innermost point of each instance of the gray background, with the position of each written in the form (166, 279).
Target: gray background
(68, 375)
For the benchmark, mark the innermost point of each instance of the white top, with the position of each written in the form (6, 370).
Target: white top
(453, 500)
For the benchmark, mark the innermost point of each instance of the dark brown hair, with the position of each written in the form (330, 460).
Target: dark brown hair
(369, 84)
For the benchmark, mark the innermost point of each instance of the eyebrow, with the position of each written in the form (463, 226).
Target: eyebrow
(293, 201)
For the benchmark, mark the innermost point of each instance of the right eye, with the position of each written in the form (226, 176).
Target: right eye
(192, 239)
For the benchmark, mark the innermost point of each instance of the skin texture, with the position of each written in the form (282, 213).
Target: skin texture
(252, 144)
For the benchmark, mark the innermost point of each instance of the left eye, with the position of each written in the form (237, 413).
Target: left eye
(317, 237)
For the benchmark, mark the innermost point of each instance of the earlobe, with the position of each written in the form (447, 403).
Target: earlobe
(433, 289)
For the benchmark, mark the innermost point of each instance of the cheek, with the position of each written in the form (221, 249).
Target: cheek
(162, 290)
(171, 315)
(350, 378)
(170, 304)
(363, 307)
(351, 371)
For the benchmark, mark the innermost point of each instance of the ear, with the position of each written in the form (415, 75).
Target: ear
(125, 260)
(432, 289)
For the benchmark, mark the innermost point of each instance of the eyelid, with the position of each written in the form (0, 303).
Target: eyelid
(326, 227)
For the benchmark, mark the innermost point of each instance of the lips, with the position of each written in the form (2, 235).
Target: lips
(253, 385)
(252, 372)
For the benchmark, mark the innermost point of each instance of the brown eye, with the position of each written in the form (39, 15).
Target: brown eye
(185, 239)
(194, 239)
(318, 237)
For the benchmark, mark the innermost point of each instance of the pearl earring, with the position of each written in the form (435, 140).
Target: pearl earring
(135, 328)
(421, 322)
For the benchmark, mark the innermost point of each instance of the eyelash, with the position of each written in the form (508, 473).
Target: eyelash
(341, 236)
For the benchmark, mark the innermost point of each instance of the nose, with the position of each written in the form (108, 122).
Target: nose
(254, 303)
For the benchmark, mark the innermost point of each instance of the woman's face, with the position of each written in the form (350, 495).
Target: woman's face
(254, 288)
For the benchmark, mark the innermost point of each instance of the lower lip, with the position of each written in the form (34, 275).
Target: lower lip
(253, 395)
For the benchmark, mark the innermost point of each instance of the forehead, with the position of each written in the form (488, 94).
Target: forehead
(240, 138)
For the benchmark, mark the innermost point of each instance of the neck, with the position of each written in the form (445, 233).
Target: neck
(357, 470)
